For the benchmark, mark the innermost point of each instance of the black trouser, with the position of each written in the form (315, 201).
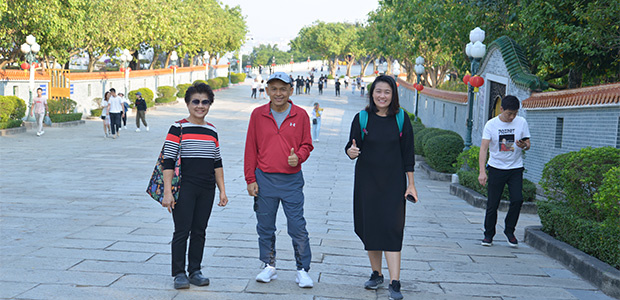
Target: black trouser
(337, 91)
(124, 118)
(191, 215)
(115, 122)
(320, 90)
(253, 94)
(497, 179)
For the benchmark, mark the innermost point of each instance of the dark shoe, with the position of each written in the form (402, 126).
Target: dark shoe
(196, 278)
(512, 240)
(488, 242)
(374, 282)
(181, 281)
(394, 289)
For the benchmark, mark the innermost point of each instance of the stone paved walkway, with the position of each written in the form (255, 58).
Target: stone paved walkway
(75, 222)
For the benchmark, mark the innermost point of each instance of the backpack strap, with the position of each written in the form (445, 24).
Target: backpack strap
(363, 122)
(400, 120)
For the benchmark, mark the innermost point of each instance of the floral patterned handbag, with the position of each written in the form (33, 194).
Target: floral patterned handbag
(155, 188)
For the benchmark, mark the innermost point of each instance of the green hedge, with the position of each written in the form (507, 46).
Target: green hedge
(147, 94)
(467, 162)
(214, 83)
(599, 239)
(12, 109)
(224, 81)
(330, 76)
(165, 99)
(237, 77)
(166, 91)
(199, 81)
(96, 112)
(575, 178)
(59, 118)
(441, 152)
(11, 124)
(425, 134)
(61, 106)
(182, 88)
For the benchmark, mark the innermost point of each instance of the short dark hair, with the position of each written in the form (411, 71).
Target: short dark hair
(510, 102)
(199, 88)
(112, 90)
(40, 89)
(394, 105)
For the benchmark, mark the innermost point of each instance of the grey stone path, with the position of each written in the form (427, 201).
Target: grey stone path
(75, 223)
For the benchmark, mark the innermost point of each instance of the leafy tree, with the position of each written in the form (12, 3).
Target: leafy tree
(326, 40)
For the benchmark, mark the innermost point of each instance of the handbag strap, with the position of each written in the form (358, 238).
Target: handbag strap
(180, 140)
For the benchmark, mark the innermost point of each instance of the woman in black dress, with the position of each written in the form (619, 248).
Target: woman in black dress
(383, 180)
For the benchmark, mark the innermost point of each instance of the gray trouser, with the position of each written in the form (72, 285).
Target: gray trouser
(141, 115)
(274, 188)
(39, 118)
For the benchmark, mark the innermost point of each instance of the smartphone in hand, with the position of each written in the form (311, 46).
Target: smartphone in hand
(411, 198)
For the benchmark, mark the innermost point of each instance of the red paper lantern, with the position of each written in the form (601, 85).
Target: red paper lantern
(476, 81)
(25, 66)
(466, 79)
(418, 87)
(122, 69)
(204, 64)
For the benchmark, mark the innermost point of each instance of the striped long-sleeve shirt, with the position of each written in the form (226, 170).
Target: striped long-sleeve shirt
(200, 152)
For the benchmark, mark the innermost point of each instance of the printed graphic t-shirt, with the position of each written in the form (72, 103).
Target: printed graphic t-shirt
(504, 153)
(39, 105)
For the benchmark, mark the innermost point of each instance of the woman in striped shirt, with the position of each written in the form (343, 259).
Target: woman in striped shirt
(201, 167)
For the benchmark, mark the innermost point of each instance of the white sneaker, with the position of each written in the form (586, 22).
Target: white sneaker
(147, 128)
(42, 132)
(267, 274)
(125, 127)
(38, 133)
(303, 279)
(137, 129)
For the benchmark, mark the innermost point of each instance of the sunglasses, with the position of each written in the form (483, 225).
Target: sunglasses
(204, 102)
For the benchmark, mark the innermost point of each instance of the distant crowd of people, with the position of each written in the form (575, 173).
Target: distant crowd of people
(114, 109)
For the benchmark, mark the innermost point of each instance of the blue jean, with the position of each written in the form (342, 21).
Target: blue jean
(316, 129)
(274, 188)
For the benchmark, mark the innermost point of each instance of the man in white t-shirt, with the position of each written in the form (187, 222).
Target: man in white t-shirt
(116, 112)
(506, 137)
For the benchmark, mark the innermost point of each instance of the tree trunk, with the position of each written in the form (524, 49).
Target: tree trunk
(574, 79)
(333, 66)
(365, 65)
(91, 62)
(155, 59)
(167, 61)
(349, 66)
(389, 61)
(135, 62)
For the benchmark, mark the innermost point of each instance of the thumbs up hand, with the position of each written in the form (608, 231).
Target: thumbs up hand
(293, 160)
(353, 152)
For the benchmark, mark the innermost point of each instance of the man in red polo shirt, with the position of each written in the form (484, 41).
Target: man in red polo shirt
(278, 142)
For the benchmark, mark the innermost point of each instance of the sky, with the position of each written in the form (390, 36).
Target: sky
(279, 21)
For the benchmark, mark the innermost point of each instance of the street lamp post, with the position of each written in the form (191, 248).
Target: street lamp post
(292, 62)
(475, 50)
(308, 62)
(174, 57)
(419, 69)
(30, 49)
(125, 59)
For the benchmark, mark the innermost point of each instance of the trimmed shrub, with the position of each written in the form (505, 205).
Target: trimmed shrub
(165, 99)
(96, 112)
(12, 108)
(61, 106)
(199, 81)
(607, 200)
(11, 124)
(442, 151)
(59, 118)
(147, 94)
(237, 77)
(330, 76)
(224, 81)
(417, 139)
(182, 88)
(575, 177)
(214, 83)
(166, 91)
(599, 239)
